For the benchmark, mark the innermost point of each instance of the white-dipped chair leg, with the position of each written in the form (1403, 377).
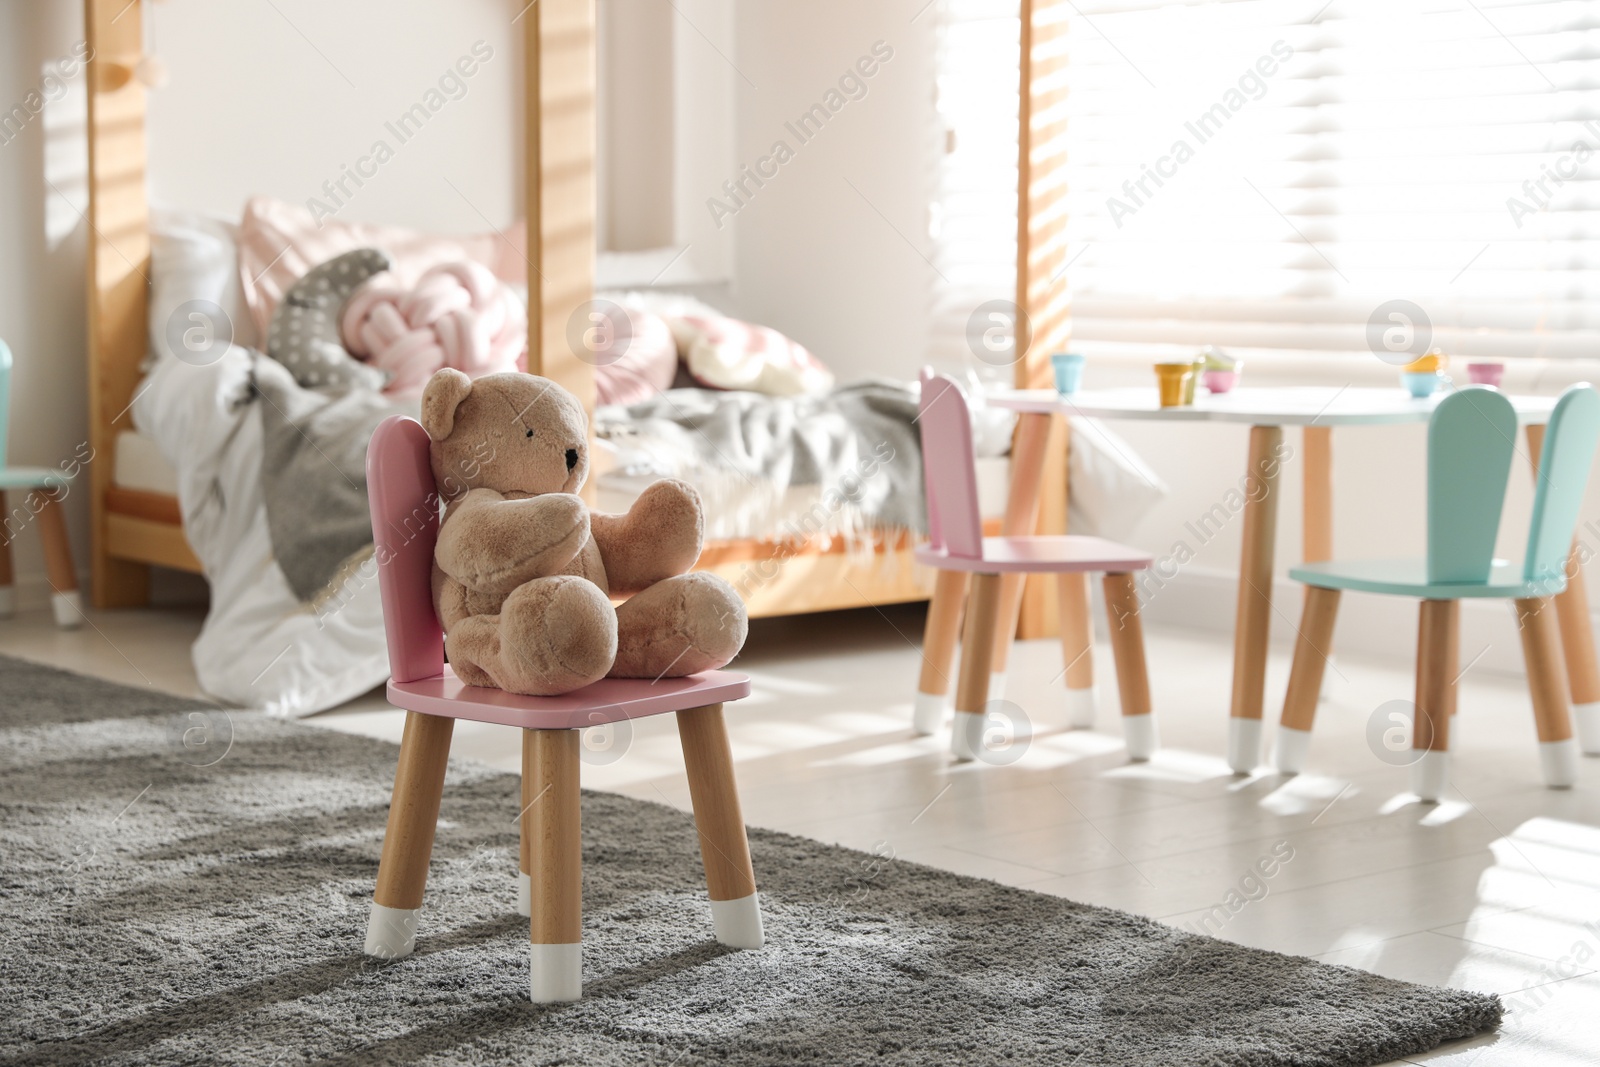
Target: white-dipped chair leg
(1430, 774)
(966, 735)
(927, 713)
(391, 932)
(738, 922)
(1558, 761)
(556, 974)
(1586, 721)
(1289, 750)
(68, 609)
(1244, 744)
(1141, 736)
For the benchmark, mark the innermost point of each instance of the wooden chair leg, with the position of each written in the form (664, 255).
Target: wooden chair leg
(1547, 685)
(408, 841)
(1305, 679)
(1253, 618)
(524, 882)
(1077, 649)
(724, 846)
(1133, 676)
(8, 592)
(939, 650)
(551, 825)
(977, 658)
(1577, 634)
(64, 600)
(1438, 665)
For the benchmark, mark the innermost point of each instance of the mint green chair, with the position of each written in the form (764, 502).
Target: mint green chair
(46, 487)
(1470, 444)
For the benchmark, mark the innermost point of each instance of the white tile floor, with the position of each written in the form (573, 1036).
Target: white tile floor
(1496, 889)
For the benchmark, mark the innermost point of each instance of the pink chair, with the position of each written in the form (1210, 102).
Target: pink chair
(405, 524)
(956, 544)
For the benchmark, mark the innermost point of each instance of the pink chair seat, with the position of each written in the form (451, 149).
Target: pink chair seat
(608, 700)
(1044, 555)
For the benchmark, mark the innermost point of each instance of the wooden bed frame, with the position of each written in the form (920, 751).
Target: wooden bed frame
(132, 530)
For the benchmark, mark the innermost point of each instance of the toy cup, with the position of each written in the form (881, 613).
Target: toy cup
(1486, 373)
(1069, 372)
(1421, 384)
(1171, 381)
(1220, 381)
(1197, 368)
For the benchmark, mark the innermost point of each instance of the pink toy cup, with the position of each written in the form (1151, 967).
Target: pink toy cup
(1486, 373)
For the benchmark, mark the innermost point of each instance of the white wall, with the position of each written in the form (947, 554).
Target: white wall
(278, 98)
(842, 270)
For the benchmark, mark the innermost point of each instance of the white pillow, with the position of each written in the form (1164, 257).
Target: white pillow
(195, 257)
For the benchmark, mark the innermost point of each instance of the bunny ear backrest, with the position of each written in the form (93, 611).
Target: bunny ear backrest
(1470, 440)
(949, 470)
(404, 503)
(1564, 463)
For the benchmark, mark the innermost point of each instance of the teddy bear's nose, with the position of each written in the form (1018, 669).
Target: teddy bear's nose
(572, 458)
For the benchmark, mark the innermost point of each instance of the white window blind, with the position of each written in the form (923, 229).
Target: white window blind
(1268, 173)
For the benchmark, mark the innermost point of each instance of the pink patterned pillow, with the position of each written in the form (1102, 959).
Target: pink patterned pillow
(726, 353)
(281, 242)
(645, 363)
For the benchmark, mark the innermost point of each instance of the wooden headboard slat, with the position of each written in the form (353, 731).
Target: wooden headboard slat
(119, 269)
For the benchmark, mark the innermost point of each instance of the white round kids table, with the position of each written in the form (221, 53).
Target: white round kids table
(1316, 409)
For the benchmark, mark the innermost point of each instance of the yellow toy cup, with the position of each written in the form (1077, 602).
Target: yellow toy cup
(1171, 381)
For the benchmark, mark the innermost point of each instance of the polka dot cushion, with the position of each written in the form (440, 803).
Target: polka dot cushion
(304, 335)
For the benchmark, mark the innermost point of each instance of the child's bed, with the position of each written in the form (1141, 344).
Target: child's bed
(184, 485)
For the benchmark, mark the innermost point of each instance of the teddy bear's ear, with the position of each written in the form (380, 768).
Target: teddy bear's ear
(444, 393)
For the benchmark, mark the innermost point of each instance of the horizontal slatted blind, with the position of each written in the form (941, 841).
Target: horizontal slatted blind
(1268, 173)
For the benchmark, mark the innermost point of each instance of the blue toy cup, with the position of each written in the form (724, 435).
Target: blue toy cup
(1069, 372)
(1420, 384)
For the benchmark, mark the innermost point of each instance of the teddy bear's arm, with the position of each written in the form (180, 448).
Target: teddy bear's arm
(492, 544)
(660, 536)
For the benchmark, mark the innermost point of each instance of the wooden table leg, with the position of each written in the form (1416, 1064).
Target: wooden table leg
(64, 599)
(724, 846)
(1022, 515)
(1577, 633)
(977, 656)
(1558, 756)
(939, 651)
(1253, 622)
(1438, 665)
(555, 865)
(408, 839)
(1316, 458)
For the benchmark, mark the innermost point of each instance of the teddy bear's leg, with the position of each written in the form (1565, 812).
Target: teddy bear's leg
(471, 645)
(679, 626)
(556, 635)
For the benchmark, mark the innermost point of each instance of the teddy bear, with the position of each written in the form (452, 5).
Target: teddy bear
(525, 572)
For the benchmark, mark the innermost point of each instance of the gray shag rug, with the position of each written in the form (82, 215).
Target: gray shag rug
(186, 885)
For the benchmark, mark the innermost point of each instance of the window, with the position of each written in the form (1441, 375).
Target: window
(1273, 174)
